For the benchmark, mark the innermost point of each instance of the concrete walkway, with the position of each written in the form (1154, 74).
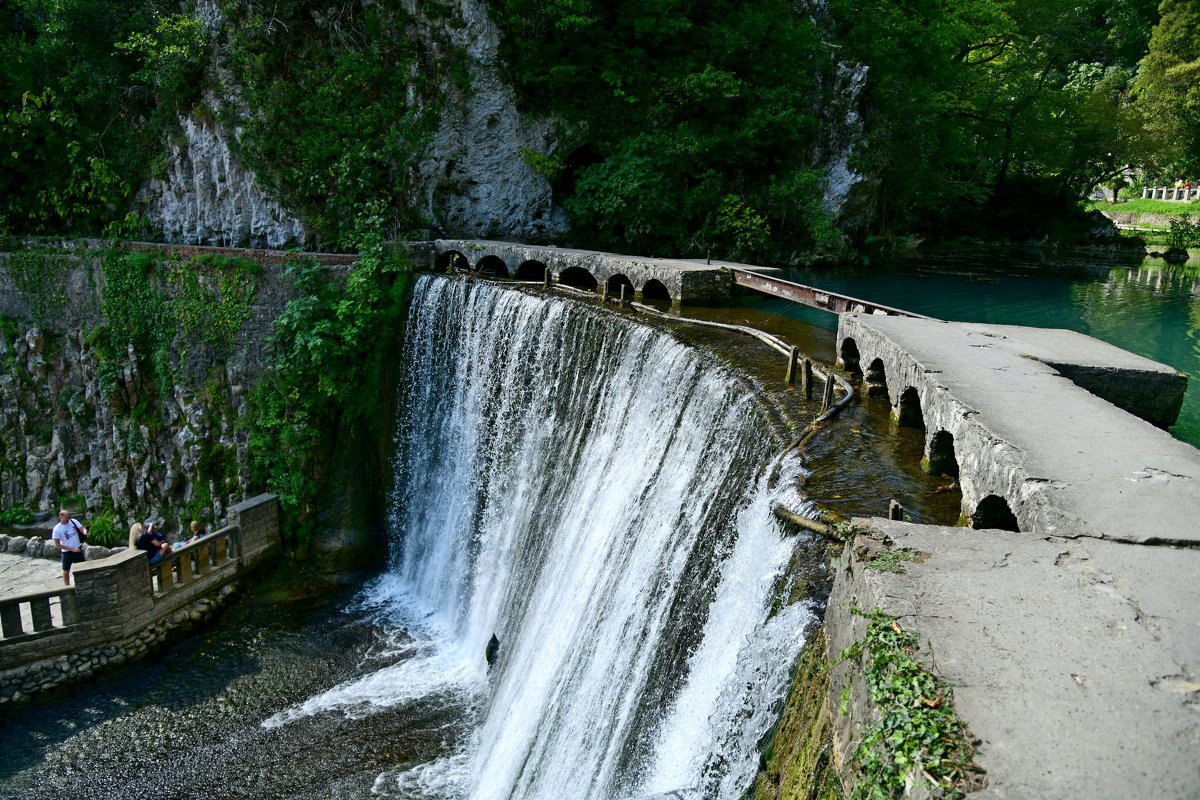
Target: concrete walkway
(1076, 662)
(20, 574)
(1035, 420)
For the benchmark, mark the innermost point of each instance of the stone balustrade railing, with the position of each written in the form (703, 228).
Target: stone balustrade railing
(121, 604)
(1182, 195)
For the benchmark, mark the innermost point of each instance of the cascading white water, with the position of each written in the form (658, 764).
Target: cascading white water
(585, 489)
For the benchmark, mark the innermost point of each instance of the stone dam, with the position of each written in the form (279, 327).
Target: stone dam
(1062, 611)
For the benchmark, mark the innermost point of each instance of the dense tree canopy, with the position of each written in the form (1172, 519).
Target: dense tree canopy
(1169, 83)
(686, 128)
(974, 104)
(84, 88)
(690, 126)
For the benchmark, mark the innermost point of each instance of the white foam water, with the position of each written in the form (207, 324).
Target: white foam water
(584, 489)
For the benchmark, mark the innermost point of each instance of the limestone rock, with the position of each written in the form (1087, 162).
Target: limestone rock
(209, 197)
(17, 544)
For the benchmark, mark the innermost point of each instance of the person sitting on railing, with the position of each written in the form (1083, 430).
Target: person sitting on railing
(150, 540)
(68, 536)
(198, 531)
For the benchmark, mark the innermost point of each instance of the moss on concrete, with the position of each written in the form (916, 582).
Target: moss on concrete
(797, 762)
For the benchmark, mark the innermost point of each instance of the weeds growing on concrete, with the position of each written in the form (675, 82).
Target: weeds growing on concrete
(918, 736)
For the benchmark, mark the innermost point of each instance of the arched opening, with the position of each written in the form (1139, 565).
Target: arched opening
(452, 260)
(531, 271)
(848, 355)
(909, 412)
(940, 458)
(492, 265)
(993, 513)
(578, 277)
(655, 290)
(614, 284)
(875, 381)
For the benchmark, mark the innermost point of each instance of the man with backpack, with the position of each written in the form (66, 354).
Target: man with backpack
(68, 536)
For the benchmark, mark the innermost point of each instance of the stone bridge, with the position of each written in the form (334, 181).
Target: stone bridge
(676, 280)
(1047, 431)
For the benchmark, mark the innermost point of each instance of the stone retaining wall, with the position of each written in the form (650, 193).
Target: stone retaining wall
(123, 615)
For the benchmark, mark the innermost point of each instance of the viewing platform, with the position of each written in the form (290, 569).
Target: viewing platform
(118, 607)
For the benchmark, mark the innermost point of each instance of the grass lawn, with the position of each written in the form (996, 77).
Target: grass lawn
(1140, 206)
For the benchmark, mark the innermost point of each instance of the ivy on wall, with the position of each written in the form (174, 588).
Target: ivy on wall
(326, 370)
(41, 276)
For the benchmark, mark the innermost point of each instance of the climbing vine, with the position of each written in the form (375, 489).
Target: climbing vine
(918, 731)
(326, 369)
(41, 275)
(147, 302)
(212, 296)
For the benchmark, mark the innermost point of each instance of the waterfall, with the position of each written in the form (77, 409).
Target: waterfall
(589, 491)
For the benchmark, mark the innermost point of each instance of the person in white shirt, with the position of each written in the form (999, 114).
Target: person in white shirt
(68, 538)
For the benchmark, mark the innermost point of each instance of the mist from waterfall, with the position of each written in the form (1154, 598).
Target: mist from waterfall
(589, 491)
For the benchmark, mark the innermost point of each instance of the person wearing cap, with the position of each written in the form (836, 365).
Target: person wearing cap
(68, 537)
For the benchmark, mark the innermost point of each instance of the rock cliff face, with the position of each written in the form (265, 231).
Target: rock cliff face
(471, 179)
(207, 196)
(77, 423)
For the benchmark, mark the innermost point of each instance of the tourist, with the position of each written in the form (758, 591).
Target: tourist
(198, 531)
(68, 536)
(150, 540)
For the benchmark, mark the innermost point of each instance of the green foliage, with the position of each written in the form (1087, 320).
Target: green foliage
(891, 560)
(1183, 233)
(104, 529)
(137, 319)
(212, 296)
(16, 516)
(41, 276)
(991, 105)
(172, 56)
(918, 734)
(77, 124)
(334, 127)
(1168, 83)
(691, 126)
(328, 352)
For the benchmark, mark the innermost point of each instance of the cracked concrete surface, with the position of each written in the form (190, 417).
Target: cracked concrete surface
(1033, 421)
(1073, 646)
(1076, 664)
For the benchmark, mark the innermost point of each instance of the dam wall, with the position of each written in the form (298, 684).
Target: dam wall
(1060, 623)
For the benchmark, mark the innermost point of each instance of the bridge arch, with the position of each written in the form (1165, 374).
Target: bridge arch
(848, 355)
(614, 284)
(530, 271)
(449, 260)
(578, 277)
(908, 412)
(875, 379)
(939, 455)
(492, 265)
(655, 290)
(993, 513)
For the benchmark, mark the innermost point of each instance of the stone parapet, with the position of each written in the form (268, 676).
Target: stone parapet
(117, 599)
